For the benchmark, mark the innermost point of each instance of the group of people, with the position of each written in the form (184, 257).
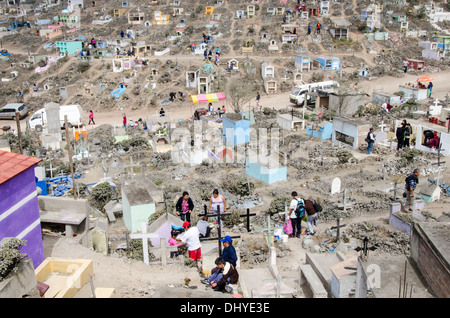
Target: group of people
(173, 96)
(139, 123)
(403, 135)
(225, 272)
(301, 209)
(207, 55)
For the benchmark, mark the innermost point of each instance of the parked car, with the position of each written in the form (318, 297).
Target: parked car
(9, 111)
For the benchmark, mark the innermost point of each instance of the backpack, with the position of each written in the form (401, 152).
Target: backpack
(300, 209)
(368, 140)
(317, 207)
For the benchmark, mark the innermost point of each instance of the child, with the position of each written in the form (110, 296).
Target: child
(173, 242)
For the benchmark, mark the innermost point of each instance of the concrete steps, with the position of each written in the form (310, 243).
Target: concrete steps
(309, 277)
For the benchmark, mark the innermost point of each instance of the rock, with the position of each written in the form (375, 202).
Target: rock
(307, 243)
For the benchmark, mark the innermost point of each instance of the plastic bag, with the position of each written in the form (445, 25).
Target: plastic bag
(287, 227)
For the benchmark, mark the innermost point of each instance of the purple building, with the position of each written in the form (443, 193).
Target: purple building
(19, 209)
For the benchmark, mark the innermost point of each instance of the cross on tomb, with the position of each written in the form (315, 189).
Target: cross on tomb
(395, 190)
(436, 102)
(51, 169)
(365, 248)
(268, 232)
(439, 157)
(219, 228)
(247, 215)
(382, 125)
(144, 236)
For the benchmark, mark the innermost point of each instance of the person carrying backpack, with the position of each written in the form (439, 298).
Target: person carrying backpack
(312, 209)
(411, 183)
(296, 213)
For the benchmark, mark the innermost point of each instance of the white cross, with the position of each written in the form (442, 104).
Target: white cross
(382, 126)
(144, 236)
(436, 102)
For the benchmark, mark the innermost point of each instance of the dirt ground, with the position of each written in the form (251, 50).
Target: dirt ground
(134, 279)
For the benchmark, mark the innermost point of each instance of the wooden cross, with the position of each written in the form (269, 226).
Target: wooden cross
(338, 228)
(248, 215)
(439, 157)
(269, 231)
(219, 228)
(144, 236)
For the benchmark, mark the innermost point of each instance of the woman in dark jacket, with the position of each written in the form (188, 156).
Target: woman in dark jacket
(184, 207)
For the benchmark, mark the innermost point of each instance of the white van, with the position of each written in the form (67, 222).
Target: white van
(298, 94)
(74, 117)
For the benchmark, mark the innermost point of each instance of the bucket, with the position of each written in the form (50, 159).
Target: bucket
(278, 232)
(284, 238)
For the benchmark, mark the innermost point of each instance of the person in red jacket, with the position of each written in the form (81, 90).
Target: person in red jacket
(124, 120)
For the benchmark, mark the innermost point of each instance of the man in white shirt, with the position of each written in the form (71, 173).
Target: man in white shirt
(296, 221)
(191, 238)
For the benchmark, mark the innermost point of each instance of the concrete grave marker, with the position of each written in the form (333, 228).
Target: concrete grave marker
(335, 186)
(144, 236)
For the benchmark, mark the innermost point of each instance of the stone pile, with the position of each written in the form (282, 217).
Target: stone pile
(387, 239)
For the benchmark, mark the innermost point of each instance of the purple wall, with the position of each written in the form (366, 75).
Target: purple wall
(164, 232)
(12, 225)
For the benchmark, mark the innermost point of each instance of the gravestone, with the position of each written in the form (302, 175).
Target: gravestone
(335, 186)
(53, 120)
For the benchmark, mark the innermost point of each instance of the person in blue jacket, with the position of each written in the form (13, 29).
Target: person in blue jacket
(229, 252)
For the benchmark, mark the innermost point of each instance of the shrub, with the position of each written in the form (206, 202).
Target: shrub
(10, 256)
(344, 156)
(408, 156)
(83, 67)
(101, 194)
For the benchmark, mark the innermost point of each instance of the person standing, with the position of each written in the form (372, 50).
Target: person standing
(411, 183)
(229, 252)
(191, 238)
(309, 29)
(20, 97)
(312, 216)
(295, 217)
(217, 201)
(405, 65)
(400, 134)
(430, 88)
(91, 117)
(162, 113)
(184, 207)
(318, 27)
(370, 141)
(210, 56)
(258, 98)
(124, 120)
(210, 109)
(408, 132)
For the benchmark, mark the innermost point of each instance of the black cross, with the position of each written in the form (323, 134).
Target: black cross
(219, 229)
(247, 215)
(365, 248)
